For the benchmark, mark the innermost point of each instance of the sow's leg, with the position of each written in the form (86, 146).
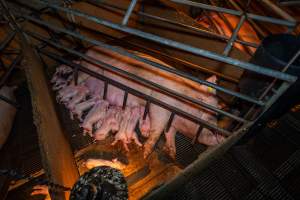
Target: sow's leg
(159, 118)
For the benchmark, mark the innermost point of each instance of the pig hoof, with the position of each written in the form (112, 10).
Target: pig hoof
(170, 152)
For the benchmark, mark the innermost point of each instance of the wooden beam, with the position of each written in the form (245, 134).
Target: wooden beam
(58, 159)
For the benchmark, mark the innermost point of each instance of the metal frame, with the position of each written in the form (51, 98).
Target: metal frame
(209, 155)
(193, 28)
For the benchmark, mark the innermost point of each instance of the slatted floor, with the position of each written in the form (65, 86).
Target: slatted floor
(268, 167)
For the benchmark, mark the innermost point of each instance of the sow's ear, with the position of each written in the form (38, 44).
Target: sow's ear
(212, 79)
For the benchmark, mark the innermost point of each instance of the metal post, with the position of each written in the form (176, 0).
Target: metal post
(129, 11)
(234, 36)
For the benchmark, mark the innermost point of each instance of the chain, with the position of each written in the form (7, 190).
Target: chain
(41, 181)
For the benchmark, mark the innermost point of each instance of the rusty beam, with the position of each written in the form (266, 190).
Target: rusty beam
(58, 160)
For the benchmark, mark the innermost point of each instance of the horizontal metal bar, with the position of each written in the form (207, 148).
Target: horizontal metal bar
(146, 82)
(12, 66)
(178, 45)
(7, 40)
(201, 31)
(133, 91)
(238, 13)
(128, 12)
(154, 64)
(184, 62)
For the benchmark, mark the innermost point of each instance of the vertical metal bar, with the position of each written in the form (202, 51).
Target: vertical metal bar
(146, 109)
(2, 64)
(234, 36)
(128, 12)
(10, 69)
(76, 75)
(105, 90)
(170, 122)
(200, 128)
(125, 100)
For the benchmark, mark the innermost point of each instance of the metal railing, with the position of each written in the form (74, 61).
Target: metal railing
(206, 157)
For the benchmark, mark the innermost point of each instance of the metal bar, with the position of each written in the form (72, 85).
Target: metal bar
(105, 90)
(2, 65)
(75, 76)
(125, 100)
(143, 81)
(255, 26)
(146, 110)
(12, 66)
(238, 13)
(185, 62)
(278, 10)
(178, 45)
(170, 122)
(206, 70)
(11, 102)
(234, 36)
(132, 91)
(7, 40)
(129, 11)
(200, 128)
(165, 68)
(201, 31)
